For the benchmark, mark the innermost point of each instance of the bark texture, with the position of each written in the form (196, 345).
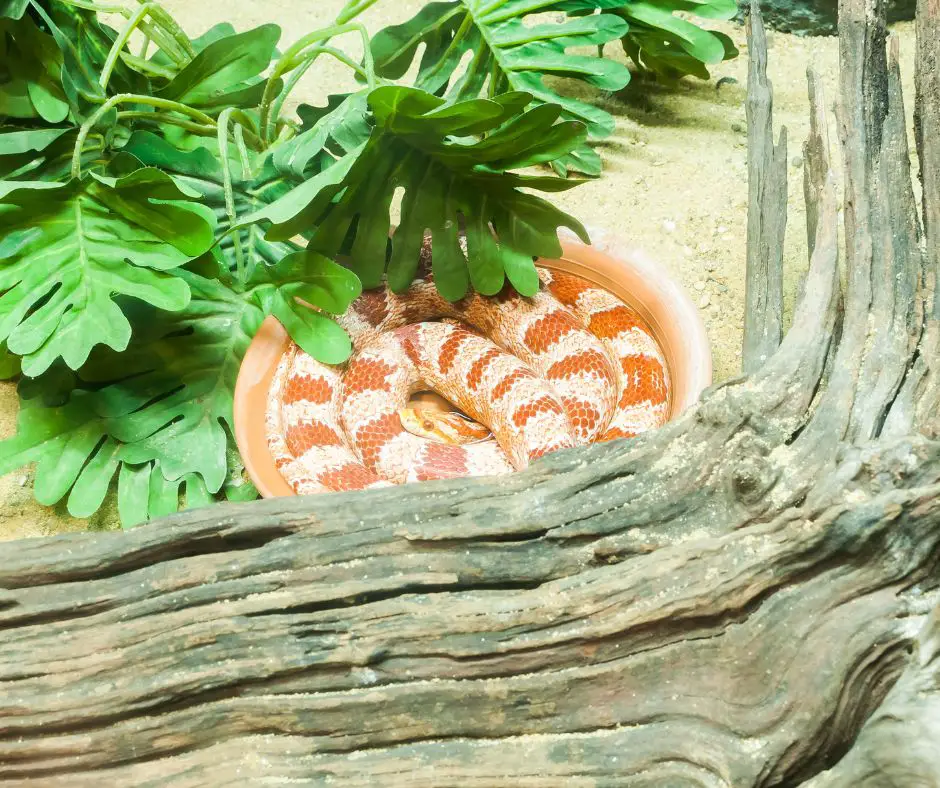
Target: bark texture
(747, 597)
(767, 207)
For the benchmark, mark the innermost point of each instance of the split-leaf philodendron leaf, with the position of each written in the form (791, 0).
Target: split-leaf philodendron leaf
(67, 249)
(507, 53)
(452, 180)
(672, 47)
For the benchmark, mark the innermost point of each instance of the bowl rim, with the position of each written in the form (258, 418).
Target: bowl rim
(627, 272)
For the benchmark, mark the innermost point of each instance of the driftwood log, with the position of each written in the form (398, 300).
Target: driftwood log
(748, 597)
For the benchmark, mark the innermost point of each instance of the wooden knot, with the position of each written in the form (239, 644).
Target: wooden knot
(751, 478)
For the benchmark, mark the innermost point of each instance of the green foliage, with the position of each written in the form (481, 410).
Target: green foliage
(475, 48)
(506, 53)
(150, 209)
(69, 249)
(670, 47)
(424, 145)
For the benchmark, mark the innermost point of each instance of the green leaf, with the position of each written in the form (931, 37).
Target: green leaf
(61, 441)
(447, 182)
(84, 43)
(279, 272)
(9, 364)
(160, 415)
(225, 72)
(67, 249)
(294, 212)
(44, 153)
(28, 140)
(672, 47)
(31, 88)
(317, 280)
(508, 53)
(315, 333)
(169, 397)
(13, 9)
(201, 171)
(347, 125)
(134, 494)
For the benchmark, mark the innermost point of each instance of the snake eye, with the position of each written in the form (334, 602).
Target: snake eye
(428, 425)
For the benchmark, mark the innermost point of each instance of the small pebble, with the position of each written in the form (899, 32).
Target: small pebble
(700, 286)
(669, 226)
(706, 301)
(797, 161)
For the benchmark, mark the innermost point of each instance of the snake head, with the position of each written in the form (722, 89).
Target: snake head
(444, 427)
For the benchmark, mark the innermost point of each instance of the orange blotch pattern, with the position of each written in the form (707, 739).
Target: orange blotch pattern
(611, 322)
(373, 436)
(368, 374)
(587, 361)
(449, 350)
(306, 388)
(478, 368)
(504, 386)
(582, 415)
(567, 289)
(446, 461)
(301, 437)
(644, 381)
(522, 414)
(372, 305)
(350, 477)
(615, 433)
(545, 332)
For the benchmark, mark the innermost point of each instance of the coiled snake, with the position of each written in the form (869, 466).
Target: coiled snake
(571, 365)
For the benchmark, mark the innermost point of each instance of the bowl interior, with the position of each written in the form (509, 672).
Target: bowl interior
(631, 276)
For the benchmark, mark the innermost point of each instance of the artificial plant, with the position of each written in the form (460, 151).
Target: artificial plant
(157, 204)
(483, 47)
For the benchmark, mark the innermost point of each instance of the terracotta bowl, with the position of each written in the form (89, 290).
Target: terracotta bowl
(627, 273)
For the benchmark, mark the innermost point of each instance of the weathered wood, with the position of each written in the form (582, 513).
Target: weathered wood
(767, 207)
(899, 743)
(816, 165)
(747, 597)
(927, 132)
(884, 259)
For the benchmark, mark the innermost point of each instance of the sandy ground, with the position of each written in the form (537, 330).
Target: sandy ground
(675, 181)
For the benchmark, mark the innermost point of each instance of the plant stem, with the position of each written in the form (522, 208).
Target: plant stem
(243, 151)
(128, 98)
(101, 8)
(297, 74)
(354, 8)
(455, 41)
(165, 42)
(224, 119)
(163, 117)
(168, 23)
(295, 56)
(121, 41)
(146, 66)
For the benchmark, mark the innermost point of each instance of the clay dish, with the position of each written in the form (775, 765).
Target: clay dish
(628, 274)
